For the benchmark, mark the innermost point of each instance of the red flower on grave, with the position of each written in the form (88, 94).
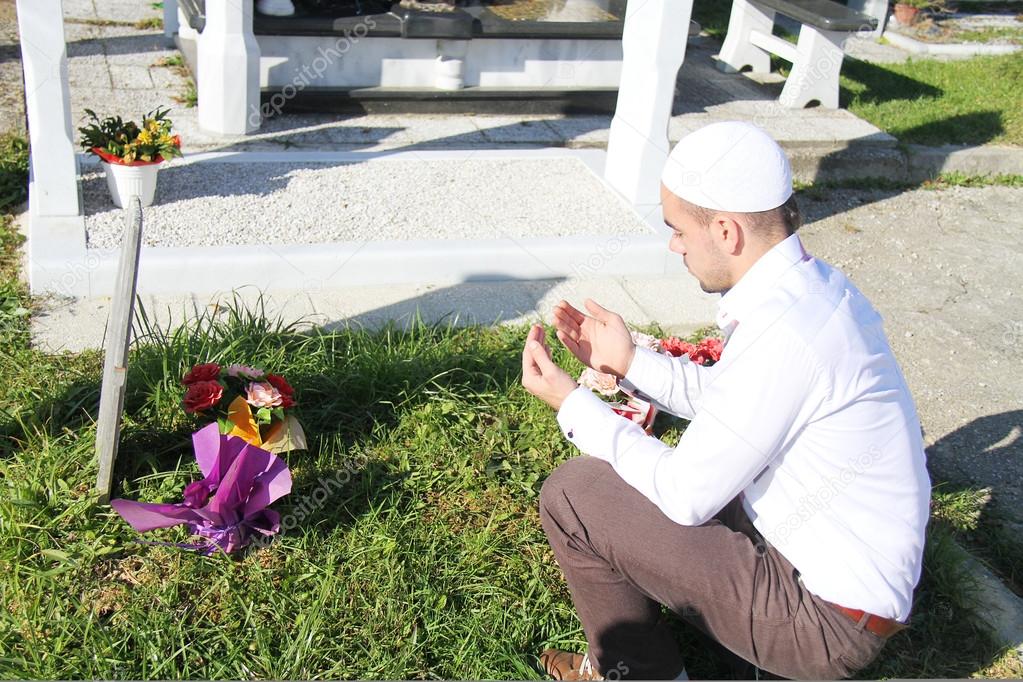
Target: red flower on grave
(209, 371)
(202, 395)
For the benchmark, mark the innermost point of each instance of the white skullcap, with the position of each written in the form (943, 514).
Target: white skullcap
(729, 166)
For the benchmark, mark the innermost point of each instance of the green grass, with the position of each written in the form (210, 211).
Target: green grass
(190, 97)
(173, 61)
(150, 24)
(974, 101)
(428, 560)
(983, 527)
(925, 101)
(818, 191)
(13, 191)
(176, 63)
(13, 170)
(1008, 34)
(712, 15)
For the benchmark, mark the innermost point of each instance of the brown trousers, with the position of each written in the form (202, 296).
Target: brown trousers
(623, 558)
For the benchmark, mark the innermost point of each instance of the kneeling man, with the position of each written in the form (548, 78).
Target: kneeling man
(788, 523)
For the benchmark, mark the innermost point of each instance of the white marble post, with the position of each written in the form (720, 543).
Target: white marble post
(449, 67)
(170, 18)
(53, 185)
(228, 73)
(653, 46)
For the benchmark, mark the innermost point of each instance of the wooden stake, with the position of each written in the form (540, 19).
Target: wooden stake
(115, 365)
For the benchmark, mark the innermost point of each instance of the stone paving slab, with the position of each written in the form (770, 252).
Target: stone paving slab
(12, 100)
(77, 324)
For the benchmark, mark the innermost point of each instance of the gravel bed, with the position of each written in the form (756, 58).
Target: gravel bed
(215, 204)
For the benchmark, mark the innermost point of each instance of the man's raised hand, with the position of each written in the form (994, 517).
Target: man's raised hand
(600, 340)
(540, 376)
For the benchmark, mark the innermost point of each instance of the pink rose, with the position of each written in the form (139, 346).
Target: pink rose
(286, 391)
(604, 384)
(638, 412)
(262, 394)
(646, 341)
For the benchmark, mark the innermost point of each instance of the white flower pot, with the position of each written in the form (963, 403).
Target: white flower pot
(127, 181)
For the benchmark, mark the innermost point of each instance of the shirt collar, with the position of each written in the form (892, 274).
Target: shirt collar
(741, 299)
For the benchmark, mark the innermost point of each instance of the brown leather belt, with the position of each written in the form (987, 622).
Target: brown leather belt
(882, 627)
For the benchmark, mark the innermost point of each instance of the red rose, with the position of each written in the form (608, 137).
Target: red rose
(676, 347)
(280, 383)
(707, 351)
(713, 347)
(202, 395)
(284, 388)
(209, 371)
(700, 356)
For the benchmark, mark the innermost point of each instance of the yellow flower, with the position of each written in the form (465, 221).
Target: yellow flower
(145, 137)
(164, 139)
(153, 126)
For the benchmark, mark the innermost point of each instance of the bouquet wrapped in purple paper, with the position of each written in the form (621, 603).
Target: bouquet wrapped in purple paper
(226, 507)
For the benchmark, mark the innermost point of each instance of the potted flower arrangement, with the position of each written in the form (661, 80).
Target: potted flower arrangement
(246, 402)
(634, 408)
(907, 12)
(131, 154)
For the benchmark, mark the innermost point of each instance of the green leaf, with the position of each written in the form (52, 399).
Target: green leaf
(56, 555)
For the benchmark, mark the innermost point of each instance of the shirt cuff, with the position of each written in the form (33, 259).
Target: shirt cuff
(584, 411)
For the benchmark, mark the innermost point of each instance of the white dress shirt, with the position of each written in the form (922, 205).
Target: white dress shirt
(807, 414)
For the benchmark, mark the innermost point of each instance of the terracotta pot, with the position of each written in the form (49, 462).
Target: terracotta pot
(907, 15)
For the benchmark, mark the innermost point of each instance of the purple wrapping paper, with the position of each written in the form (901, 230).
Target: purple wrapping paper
(229, 504)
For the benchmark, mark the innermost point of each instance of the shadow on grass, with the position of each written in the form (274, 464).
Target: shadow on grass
(975, 128)
(881, 84)
(843, 168)
(979, 472)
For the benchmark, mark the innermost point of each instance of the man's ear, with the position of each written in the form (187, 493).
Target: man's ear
(728, 234)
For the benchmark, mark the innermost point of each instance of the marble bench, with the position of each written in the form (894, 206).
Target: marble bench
(817, 55)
